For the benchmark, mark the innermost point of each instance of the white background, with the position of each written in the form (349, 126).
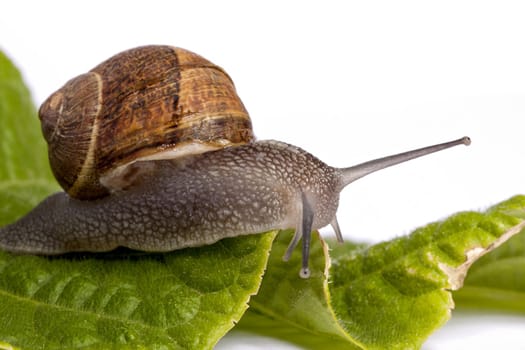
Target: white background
(348, 81)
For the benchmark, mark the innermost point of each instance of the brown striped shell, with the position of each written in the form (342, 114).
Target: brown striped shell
(151, 102)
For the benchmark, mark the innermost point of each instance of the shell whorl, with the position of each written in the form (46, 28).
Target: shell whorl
(145, 103)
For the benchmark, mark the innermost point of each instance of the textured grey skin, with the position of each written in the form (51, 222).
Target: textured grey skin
(190, 202)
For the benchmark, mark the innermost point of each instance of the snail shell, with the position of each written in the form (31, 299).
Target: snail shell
(150, 102)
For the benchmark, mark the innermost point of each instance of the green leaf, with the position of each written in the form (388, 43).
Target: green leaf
(22, 147)
(296, 309)
(391, 295)
(186, 299)
(497, 280)
(18, 197)
(25, 176)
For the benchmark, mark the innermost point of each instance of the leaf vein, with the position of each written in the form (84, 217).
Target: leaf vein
(83, 311)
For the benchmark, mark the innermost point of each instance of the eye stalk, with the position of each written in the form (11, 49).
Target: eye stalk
(355, 172)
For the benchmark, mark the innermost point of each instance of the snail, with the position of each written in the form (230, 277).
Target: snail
(155, 152)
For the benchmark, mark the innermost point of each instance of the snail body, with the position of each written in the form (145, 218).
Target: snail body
(235, 191)
(192, 199)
